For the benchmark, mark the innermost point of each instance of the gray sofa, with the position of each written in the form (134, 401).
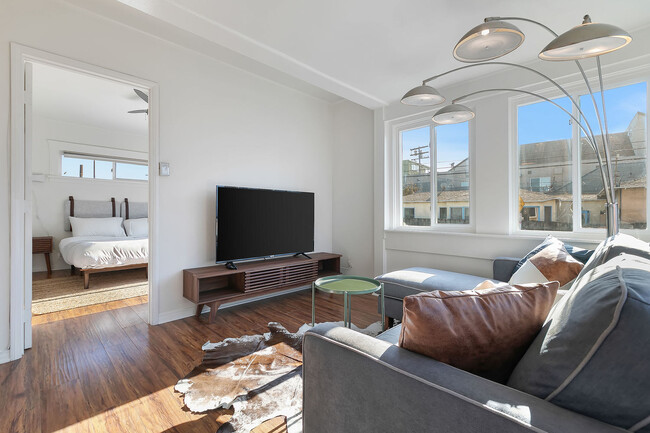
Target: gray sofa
(405, 282)
(356, 383)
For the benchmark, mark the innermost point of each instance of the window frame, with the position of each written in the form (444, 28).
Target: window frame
(394, 171)
(113, 160)
(576, 90)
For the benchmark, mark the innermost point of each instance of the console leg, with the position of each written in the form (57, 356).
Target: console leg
(49, 266)
(214, 306)
(199, 310)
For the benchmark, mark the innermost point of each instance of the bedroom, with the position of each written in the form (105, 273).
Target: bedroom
(89, 192)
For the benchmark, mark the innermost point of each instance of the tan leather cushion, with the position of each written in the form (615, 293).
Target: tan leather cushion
(484, 331)
(552, 263)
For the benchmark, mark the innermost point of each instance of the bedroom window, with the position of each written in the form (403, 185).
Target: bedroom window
(443, 191)
(94, 167)
(560, 188)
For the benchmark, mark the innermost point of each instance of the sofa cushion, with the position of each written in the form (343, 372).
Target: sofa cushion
(398, 284)
(551, 263)
(484, 331)
(614, 246)
(592, 353)
(391, 335)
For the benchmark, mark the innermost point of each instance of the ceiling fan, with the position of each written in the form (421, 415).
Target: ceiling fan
(145, 98)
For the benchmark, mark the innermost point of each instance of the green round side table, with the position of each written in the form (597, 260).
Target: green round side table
(347, 285)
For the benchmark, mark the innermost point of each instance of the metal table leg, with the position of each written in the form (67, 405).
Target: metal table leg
(349, 310)
(383, 308)
(313, 305)
(345, 309)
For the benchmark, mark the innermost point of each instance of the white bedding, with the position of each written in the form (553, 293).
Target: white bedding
(97, 252)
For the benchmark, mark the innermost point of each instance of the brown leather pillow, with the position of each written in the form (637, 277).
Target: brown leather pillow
(484, 331)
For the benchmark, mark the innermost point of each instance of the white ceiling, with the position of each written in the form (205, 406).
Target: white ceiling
(372, 51)
(82, 99)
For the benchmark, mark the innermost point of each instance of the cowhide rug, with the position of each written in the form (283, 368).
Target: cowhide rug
(259, 376)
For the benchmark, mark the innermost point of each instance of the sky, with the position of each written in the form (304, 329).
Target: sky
(543, 121)
(537, 122)
(452, 141)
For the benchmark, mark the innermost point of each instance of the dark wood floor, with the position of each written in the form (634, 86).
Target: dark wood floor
(104, 369)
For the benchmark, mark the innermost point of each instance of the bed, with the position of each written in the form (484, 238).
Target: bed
(92, 254)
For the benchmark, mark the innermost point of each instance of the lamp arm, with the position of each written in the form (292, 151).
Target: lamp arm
(608, 196)
(546, 77)
(521, 19)
(603, 131)
(605, 143)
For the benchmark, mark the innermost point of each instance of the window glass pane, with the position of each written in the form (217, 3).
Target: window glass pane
(626, 119)
(125, 170)
(76, 167)
(452, 173)
(416, 177)
(103, 169)
(545, 183)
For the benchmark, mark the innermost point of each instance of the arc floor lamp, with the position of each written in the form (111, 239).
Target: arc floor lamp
(496, 37)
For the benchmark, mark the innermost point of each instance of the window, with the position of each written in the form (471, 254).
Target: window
(445, 147)
(560, 187)
(94, 167)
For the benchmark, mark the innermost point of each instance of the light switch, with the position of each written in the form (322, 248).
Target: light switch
(164, 169)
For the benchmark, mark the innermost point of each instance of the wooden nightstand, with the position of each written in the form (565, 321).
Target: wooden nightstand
(43, 245)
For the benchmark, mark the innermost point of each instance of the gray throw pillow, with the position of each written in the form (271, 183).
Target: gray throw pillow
(614, 246)
(592, 354)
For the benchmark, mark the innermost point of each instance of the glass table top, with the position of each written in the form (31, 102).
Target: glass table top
(347, 283)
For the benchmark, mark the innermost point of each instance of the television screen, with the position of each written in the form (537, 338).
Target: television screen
(254, 223)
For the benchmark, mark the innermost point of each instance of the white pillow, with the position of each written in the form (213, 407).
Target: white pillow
(137, 227)
(97, 226)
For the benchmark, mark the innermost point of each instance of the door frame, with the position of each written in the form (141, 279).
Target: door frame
(20, 183)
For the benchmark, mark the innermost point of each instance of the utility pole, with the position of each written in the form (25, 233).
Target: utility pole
(420, 153)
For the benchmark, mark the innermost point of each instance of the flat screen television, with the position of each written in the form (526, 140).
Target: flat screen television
(257, 223)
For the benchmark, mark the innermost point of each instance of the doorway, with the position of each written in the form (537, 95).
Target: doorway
(79, 159)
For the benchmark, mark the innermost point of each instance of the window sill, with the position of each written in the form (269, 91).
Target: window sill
(36, 178)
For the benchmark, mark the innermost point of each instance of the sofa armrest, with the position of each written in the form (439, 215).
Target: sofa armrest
(356, 383)
(503, 268)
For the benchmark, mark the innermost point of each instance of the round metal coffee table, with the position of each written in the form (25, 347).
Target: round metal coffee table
(347, 285)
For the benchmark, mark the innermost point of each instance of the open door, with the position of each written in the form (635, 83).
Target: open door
(27, 306)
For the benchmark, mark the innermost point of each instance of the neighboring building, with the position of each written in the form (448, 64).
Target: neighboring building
(545, 181)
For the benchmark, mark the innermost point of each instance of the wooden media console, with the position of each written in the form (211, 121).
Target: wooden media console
(216, 285)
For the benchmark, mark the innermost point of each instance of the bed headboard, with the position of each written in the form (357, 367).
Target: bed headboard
(134, 209)
(87, 209)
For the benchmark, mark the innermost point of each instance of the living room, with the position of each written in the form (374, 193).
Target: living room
(308, 98)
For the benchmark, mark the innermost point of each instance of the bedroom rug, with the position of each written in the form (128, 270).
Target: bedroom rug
(258, 376)
(65, 293)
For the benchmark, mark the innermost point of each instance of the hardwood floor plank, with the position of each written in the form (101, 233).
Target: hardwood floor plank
(64, 406)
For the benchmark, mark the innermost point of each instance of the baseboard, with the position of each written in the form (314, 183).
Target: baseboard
(182, 313)
(4, 356)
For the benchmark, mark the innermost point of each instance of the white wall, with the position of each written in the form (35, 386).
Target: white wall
(473, 252)
(353, 203)
(50, 191)
(218, 125)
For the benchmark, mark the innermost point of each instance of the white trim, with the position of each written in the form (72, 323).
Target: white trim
(182, 313)
(393, 169)
(20, 201)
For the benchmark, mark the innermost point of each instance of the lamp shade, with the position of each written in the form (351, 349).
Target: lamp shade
(423, 95)
(453, 113)
(586, 40)
(488, 41)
